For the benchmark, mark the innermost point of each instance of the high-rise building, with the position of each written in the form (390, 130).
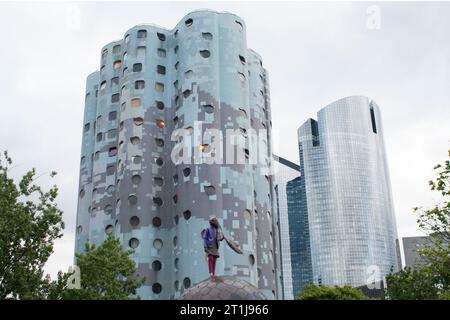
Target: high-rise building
(300, 248)
(352, 228)
(285, 171)
(135, 181)
(413, 245)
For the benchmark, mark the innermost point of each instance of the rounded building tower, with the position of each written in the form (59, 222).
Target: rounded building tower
(346, 192)
(163, 162)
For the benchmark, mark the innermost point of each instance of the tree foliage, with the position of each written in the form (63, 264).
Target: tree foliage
(430, 277)
(314, 292)
(411, 284)
(107, 273)
(30, 222)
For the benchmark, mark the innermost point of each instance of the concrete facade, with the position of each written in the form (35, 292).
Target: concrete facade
(134, 181)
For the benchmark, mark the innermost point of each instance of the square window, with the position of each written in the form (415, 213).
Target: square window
(137, 67)
(117, 64)
(159, 87)
(142, 34)
(161, 53)
(116, 49)
(115, 81)
(135, 102)
(140, 84)
(161, 69)
(112, 115)
(141, 50)
(115, 98)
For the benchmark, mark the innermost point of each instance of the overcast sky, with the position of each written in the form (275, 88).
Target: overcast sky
(315, 53)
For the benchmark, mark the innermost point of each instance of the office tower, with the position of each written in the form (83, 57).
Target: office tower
(285, 171)
(412, 246)
(299, 238)
(352, 226)
(157, 90)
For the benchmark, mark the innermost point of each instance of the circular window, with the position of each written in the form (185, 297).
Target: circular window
(160, 105)
(247, 214)
(160, 123)
(156, 221)
(251, 259)
(136, 179)
(189, 22)
(161, 36)
(187, 93)
(132, 199)
(239, 25)
(175, 199)
(108, 209)
(186, 172)
(241, 76)
(81, 193)
(133, 243)
(138, 121)
(159, 142)
(207, 35)
(134, 221)
(158, 181)
(158, 201)
(135, 140)
(210, 190)
(189, 130)
(159, 161)
(242, 113)
(157, 244)
(156, 265)
(109, 229)
(186, 282)
(242, 59)
(175, 241)
(176, 263)
(156, 288)
(205, 53)
(187, 214)
(208, 108)
(79, 229)
(188, 74)
(176, 219)
(111, 188)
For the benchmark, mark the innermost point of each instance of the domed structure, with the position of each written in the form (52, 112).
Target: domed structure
(223, 288)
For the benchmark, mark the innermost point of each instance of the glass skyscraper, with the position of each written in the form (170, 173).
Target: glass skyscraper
(351, 219)
(300, 249)
(285, 171)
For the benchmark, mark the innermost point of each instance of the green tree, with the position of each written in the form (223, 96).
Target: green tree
(436, 223)
(30, 222)
(411, 284)
(107, 273)
(430, 277)
(314, 292)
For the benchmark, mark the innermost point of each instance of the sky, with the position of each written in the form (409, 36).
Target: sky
(315, 53)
